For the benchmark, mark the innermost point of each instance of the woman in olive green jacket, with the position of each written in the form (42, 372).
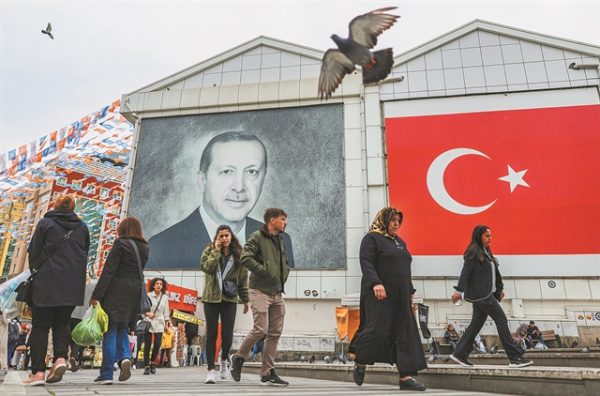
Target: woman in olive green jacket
(225, 281)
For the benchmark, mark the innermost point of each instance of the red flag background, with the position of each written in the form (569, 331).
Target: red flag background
(559, 213)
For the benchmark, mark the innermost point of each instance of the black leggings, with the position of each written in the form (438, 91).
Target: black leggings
(155, 347)
(42, 320)
(211, 314)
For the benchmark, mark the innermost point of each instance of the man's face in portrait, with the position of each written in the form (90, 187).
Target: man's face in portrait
(233, 181)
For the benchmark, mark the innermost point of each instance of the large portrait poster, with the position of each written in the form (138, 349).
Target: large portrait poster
(194, 173)
(530, 175)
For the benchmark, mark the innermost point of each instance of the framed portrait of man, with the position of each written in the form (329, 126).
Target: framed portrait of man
(194, 173)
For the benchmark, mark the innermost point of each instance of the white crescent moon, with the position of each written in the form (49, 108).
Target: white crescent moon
(435, 182)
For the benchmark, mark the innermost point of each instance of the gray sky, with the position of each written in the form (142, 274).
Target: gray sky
(105, 48)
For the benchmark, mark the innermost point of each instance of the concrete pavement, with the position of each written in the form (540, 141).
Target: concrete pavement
(190, 381)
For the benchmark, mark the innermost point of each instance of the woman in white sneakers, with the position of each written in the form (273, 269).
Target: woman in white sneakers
(225, 281)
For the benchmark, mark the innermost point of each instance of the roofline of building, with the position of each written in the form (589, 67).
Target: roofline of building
(479, 24)
(226, 55)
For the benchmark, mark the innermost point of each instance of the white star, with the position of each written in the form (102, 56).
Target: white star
(514, 178)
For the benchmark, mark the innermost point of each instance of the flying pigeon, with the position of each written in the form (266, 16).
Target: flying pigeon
(355, 50)
(48, 31)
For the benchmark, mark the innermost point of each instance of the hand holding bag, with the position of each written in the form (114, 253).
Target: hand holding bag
(143, 325)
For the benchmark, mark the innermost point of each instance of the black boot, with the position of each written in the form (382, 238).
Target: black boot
(359, 373)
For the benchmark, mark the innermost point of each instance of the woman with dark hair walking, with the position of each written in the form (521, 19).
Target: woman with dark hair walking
(118, 292)
(58, 252)
(388, 330)
(225, 281)
(157, 316)
(480, 283)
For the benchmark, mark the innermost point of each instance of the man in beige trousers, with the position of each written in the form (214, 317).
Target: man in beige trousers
(265, 256)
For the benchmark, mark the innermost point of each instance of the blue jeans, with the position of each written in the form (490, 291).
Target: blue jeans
(115, 348)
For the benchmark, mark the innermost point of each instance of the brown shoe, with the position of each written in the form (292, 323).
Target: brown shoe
(57, 371)
(36, 379)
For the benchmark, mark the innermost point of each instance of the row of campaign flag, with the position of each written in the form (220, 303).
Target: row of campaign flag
(42, 149)
(104, 134)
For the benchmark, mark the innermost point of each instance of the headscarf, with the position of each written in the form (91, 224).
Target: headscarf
(382, 220)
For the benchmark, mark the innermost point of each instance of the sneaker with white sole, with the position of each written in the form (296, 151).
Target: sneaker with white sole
(224, 369)
(211, 377)
(125, 373)
(37, 379)
(103, 381)
(520, 362)
(57, 371)
(461, 360)
(273, 379)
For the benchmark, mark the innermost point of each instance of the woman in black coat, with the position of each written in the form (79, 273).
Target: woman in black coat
(58, 251)
(480, 283)
(388, 330)
(118, 291)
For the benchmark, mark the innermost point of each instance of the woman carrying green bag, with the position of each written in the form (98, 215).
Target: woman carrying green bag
(118, 290)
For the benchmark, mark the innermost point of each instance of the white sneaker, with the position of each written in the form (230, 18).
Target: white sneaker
(211, 377)
(224, 369)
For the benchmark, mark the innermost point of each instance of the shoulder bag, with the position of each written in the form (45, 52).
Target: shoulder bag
(144, 325)
(145, 303)
(25, 288)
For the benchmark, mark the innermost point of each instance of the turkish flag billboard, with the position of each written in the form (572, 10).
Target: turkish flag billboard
(532, 176)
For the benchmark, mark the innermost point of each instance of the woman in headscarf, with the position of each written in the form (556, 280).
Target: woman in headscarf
(388, 330)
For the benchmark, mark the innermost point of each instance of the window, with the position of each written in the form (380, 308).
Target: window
(61, 181)
(90, 189)
(104, 193)
(76, 185)
(117, 195)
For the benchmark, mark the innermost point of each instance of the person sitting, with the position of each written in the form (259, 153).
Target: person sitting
(479, 345)
(452, 336)
(520, 337)
(534, 335)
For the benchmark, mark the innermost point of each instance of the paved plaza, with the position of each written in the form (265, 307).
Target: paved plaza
(190, 381)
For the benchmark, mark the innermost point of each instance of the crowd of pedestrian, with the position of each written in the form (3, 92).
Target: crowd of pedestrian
(253, 275)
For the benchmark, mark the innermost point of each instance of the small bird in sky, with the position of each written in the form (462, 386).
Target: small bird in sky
(355, 50)
(48, 31)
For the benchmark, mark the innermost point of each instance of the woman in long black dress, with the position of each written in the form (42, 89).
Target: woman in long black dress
(388, 330)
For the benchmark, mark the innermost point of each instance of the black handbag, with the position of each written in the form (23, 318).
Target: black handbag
(143, 325)
(230, 288)
(145, 303)
(25, 288)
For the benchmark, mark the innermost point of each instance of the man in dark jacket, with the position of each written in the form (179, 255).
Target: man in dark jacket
(58, 254)
(264, 255)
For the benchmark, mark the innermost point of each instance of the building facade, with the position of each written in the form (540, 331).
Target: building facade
(481, 97)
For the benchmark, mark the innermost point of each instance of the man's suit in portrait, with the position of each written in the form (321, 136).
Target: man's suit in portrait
(180, 246)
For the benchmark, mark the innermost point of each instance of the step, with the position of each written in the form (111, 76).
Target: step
(533, 380)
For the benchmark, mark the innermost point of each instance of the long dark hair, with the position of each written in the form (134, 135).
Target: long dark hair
(475, 250)
(235, 247)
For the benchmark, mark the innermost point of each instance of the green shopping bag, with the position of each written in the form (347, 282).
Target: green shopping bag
(102, 319)
(88, 331)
